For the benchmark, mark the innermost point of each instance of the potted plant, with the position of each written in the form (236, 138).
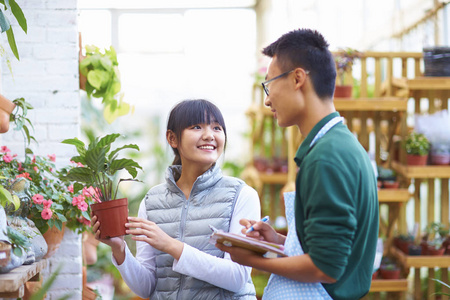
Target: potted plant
(389, 269)
(344, 59)
(440, 154)
(100, 68)
(417, 148)
(403, 241)
(434, 238)
(98, 166)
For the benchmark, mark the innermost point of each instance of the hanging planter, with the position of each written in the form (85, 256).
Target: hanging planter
(53, 236)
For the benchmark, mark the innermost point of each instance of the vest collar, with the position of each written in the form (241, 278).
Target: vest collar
(207, 179)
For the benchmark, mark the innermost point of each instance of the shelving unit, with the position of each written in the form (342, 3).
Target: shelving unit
(378, 122)
(12, 284)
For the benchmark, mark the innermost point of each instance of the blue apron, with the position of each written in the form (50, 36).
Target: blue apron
(282, 288)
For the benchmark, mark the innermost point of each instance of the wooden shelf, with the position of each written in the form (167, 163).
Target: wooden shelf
(371, 104)
(421, 171)
(273, 178)
(419, 261)
(429, 83)
(12, 283)
(393, 195)
(389, 285)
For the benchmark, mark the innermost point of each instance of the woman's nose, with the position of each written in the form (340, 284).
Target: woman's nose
(208, 134)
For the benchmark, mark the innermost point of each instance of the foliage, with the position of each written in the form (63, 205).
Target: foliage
(441, 283)
(103, 81)
(19, 241)
(435, 234)
(5, 25)
(52, 201)
(417, 144)
(344, 59)
(98, 166)
(20, 120)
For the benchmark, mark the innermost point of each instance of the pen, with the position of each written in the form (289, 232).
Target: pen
(265, 219)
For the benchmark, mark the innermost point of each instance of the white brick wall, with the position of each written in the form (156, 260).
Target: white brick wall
(47, 77)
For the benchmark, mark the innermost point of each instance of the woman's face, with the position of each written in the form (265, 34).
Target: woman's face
(201, 144)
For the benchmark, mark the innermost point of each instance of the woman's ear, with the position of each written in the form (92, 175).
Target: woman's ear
(171, 138)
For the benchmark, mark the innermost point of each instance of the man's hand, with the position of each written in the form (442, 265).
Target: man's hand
(262, 231)
(239, 255)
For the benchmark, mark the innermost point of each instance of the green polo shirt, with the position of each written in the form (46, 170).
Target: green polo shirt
(336, 209)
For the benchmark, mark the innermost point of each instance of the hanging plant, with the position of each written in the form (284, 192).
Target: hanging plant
(103, 81)
(5, 25)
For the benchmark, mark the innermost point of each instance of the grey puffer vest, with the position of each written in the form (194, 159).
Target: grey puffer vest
(211, 202)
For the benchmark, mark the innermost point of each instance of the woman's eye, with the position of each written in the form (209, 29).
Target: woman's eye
(218, 128)
(196, 127)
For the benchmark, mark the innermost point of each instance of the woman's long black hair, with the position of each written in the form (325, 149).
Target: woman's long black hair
(193, 112)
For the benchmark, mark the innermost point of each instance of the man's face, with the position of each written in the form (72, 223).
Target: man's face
(282, 98)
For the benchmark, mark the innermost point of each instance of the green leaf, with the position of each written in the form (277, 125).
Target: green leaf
(96, 158)
(107, 140)
(77, 187)
(98, 78)
(18, 13)
(124, 163)
(18, 251)
(6, 197)
(106, 63)
(86, 215)
(80, 174)
(12, 42)
(129, 146)
(4, 22)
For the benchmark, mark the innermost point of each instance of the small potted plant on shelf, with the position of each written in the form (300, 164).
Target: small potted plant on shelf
(344, 59)
(98, 166)
(434, 240)
(389, 269)
(403, 241)
(417, 148)
(440, 154)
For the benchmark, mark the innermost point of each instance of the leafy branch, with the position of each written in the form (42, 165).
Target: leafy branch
(5, 24)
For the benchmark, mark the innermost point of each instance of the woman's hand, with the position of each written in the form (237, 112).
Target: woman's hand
(147, 231)
(116, 243)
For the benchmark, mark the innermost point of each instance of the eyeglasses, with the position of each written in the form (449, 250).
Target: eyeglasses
(265, 83)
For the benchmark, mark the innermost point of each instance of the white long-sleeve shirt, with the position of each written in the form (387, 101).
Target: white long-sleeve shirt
(139, 272)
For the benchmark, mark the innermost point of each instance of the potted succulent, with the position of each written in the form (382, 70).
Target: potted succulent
(434, 239)
(98, 167)
(417, 148)
(344, 59)
(389, 269)
(440, 154)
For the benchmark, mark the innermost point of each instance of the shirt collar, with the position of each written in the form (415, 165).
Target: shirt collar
(304, 146)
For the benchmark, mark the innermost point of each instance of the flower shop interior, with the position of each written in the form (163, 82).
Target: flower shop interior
(392, 56)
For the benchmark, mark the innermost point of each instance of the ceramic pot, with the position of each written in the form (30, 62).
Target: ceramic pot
(440, 159)
(402, 244)
(53, 236)
(416, 160)
(112, 216)
(343, 91)
(5, 254)
(6, 108)
(391, 184)
(414, 250)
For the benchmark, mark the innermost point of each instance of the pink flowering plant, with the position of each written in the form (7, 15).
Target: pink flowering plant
(53, 202)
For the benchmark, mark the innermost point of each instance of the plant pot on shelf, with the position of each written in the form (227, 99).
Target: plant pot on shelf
(53, 236)
(435, 252)
(391, 184)
(403, 243)
(389, 272)
(416, 160)
(343, 91)
(414, 250)
(112, 216)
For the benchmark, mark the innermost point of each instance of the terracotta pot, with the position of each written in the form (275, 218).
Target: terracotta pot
(112, 216)
(343, 91)
(390, 274)
(416, 160)
(6, 108)
(414, 250)
(403, 245)
(390, 184)
(434, 251)
(53, 237)
(375, 274)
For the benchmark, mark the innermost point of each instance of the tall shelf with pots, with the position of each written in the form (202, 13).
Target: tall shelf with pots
(378, 118)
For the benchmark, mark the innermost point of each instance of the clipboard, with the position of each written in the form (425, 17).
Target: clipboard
(232, 239)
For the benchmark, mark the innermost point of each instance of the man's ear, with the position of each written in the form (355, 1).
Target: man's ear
(300, 77)
(171, 138)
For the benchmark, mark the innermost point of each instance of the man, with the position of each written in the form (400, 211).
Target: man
(336, 202)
